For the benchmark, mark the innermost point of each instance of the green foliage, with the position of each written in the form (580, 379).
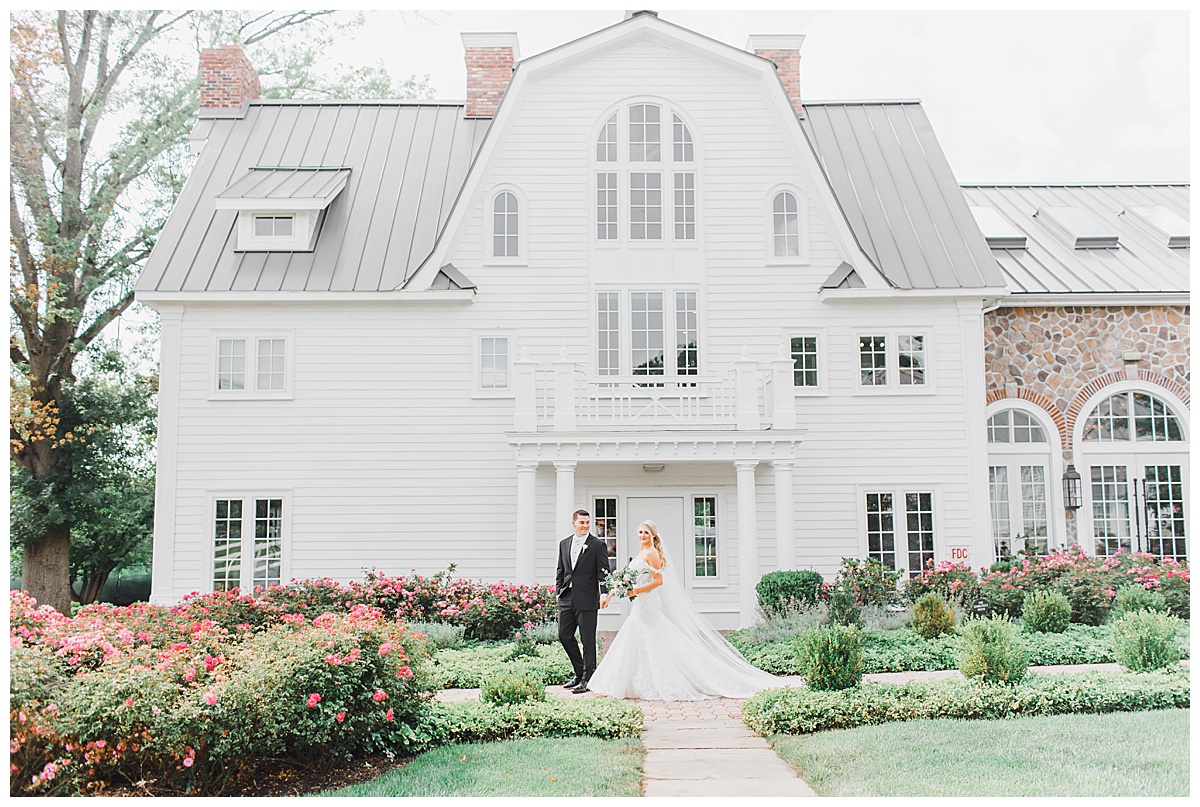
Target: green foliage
(831, 657)
(786, 624)
(511, 689)
(475, 721)
(801, 711)
(1131, 599)
(844, 610)
(440, 635)
(992, 651)
(1046, 612)
(780, 591)
(468, 668)
(1177, 591)
(953, 582)
(869, 581)
(932, 616)
(1145, 640)
(1089, 590)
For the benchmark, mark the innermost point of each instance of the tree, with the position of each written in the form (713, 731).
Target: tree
(100, 107)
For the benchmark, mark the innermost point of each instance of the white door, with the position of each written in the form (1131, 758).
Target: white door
(1136, 503)
(667, 514)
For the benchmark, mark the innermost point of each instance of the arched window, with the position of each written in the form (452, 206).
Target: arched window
(606, 143)
(1132, 416)
(786, 219)
(1018, 482)
(504, 225)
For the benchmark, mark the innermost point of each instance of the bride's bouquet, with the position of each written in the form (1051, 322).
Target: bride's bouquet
(621, 582)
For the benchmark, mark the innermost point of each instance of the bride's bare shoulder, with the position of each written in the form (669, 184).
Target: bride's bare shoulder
(654, 559)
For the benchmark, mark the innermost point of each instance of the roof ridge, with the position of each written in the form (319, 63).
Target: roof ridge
(1075, 184)
(860, 102)
(352, 102)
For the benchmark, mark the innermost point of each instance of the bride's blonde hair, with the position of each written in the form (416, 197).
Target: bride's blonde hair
(655, 540)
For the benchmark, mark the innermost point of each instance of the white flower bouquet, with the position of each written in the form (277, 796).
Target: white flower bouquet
(621, 582)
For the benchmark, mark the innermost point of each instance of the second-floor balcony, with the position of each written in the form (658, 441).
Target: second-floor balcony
(562, 396)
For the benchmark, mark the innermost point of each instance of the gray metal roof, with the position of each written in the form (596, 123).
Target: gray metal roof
(899, 195)
(310, 187)
(406, 165)
(1141, 262)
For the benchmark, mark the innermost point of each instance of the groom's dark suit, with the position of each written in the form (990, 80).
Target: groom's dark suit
(578, 589)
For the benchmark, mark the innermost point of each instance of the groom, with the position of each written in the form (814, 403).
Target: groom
(582, 566)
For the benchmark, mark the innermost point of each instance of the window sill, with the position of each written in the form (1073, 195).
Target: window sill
(868, 392)
(702, 583)
(506, 262)
(810, 392)
(784, 262)
(497, 395)
(251, 396)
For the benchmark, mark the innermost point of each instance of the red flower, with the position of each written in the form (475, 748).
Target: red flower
(341, 717)
(404, 672)
(313, 700)
(379, 695)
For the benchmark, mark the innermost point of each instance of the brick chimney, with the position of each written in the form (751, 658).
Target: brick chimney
(784, 51)
(227, 79)
(490, 62)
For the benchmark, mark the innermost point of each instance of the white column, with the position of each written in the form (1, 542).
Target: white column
(747, 542)
(162, 580)
(745, 372)
(526, 522)
(564, 498)
(525, 387)
(564, 392)
(783, 383)
(785, 515)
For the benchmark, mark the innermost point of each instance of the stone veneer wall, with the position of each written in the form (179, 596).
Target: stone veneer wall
(1059, 357)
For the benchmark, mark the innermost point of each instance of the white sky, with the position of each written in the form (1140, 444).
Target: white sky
(1015, 96)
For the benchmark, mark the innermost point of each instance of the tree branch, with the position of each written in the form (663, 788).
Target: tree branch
(105, 317)
(17, 228)
(295, 18)
(14, 353)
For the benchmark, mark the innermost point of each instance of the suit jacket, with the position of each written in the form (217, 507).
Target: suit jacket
(587, 577)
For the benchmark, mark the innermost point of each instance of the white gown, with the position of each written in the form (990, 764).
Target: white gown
(665, 651)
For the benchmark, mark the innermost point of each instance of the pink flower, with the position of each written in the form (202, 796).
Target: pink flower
(211, 698)
(341, 716)
(129, 701)
(210, 663)
(190, 674)
(389, 716)
(313, 700)
(404, 672)
(385, 648)
(188, 762)
(379, 695)
(100, 743)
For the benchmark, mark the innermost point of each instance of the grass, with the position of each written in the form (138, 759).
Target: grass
(546, 766)
(1120, 754)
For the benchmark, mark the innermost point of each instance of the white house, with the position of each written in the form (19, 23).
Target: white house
(635, 274)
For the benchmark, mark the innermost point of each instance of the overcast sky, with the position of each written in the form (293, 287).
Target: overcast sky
(1025, 96)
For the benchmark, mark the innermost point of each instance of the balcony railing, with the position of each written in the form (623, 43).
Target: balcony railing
(562, 396)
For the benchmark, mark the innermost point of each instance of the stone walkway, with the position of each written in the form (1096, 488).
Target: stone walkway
(702, 748)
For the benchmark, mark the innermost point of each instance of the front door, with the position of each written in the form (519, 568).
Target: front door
(667, 514)
(1136, 504)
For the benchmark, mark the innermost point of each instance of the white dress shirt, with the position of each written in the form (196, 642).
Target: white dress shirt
(577, 543)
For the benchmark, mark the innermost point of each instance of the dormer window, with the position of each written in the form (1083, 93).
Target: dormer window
(282, 209)
(646, 187)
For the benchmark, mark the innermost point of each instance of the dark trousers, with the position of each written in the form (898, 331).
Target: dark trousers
(570, 619)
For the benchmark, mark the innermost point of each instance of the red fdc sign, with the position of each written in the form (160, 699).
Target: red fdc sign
(958, 553)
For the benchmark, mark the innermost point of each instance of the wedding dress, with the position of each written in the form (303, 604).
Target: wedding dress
(666, 651)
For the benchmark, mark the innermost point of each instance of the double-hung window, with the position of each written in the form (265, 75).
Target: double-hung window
(658, 336)
(494, 363)
(704, 532)
(248, 541)
(805, 362)
(252, 365)
(893, 361)
(645, 176)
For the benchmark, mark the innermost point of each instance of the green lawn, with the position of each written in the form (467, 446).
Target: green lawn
(1119, 754)
(545, 766)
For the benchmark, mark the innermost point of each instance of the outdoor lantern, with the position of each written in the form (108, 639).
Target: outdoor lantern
(1072, 488)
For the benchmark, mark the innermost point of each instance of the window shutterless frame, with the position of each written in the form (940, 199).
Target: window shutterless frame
(251, 365)
(893, 361)
(492, 355)
(249, 538)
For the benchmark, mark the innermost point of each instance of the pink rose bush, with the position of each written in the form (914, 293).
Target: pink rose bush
(186, 699)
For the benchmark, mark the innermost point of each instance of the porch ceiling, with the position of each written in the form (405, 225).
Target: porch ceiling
(664, 446)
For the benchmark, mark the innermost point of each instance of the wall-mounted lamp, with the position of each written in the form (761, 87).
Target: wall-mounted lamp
(1072, 488)
(652, 467)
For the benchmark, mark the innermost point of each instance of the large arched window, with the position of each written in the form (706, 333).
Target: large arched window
(1018, 482)
(505, 222)
(645, 175)
(1133, 457)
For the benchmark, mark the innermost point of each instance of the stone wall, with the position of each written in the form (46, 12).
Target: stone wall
(1059, 357)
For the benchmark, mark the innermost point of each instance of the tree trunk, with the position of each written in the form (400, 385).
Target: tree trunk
(46, 569)
(93, 587)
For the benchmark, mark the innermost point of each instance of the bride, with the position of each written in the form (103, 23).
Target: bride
(665, 650)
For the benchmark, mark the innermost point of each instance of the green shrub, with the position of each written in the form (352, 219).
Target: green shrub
(831, 657)
(1177, 591)
(844, 610)
(1145, 640)
(953, 582)
(781, 590)
(476, 721)
(1088, 590)
(932, 617)
(470, 667)
(992, 651)
(1046, 612)
(440, 635)
(1131, 599)
(1003, 598)
(794, 710)
(869, 581)
(510, 689)
(787, 624)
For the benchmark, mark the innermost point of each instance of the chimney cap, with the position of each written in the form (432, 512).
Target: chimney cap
(505, 39)
(774, 42)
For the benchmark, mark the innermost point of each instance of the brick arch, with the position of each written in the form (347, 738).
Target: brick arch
(1108, 379)
(1040, 401)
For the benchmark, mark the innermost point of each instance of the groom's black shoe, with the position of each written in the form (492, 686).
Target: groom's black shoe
(574, 682)
(582, 688)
